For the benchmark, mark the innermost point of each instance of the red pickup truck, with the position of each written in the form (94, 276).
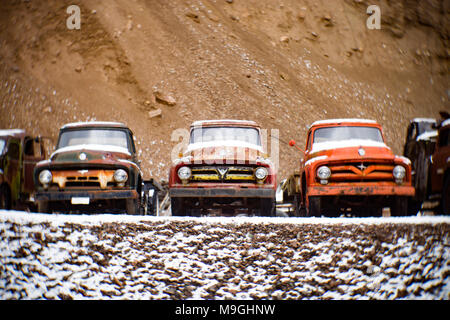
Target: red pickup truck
(348, 169)
(224, 171)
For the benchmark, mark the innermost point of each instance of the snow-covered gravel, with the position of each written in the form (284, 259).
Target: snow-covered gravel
(135, 257)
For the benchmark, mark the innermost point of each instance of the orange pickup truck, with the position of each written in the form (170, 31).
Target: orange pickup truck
(348, 169)
(223, 170)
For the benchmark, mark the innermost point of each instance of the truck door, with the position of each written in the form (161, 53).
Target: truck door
(13, 167)
(441, 160)
(33, 153)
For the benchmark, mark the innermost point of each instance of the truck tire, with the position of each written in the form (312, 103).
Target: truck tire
(399, 207)
(314, 207)
(445, 200)
(5, 198)
(176, 207)
(155, 206)
(132, 207)
(43, 207)
(267, 207)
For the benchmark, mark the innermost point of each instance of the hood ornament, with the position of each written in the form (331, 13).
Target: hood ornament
(222, 172)
(362, 167)
(361, 152)
(82, 156)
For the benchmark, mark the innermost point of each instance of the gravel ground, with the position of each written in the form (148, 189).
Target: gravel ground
(135, 257)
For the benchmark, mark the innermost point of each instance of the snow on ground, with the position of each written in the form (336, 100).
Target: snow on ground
(135, 257)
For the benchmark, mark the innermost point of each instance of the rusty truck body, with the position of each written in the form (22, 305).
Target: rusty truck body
(94, 169)
(19, 153)
(428, 146)
(348, 169)
(223, 171)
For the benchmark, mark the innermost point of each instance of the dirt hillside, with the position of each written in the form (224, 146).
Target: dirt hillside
(283, 64)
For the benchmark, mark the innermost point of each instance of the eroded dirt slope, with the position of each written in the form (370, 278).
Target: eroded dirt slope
(283, 64)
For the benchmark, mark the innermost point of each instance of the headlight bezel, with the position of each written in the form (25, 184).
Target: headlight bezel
(45, 174)
(323, 173)
(262, 177)
(120, 176)
(184, 173)
(399, 173)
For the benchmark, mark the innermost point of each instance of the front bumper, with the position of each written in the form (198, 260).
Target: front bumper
(361, 190)
(222, 192)
(92, 195)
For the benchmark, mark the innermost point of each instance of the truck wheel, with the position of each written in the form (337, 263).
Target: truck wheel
(155, 205)
(399, 207)
(267, 207)
(132, 207)
(176, 207)
(43, 207)
(314, 207)
(445, 202)
(414, 206)
(5, 198)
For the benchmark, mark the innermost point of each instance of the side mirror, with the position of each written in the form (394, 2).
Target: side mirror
(293, 144)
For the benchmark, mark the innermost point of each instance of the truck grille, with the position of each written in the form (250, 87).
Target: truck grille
(225, 174)
(361, 171)
(83, 179)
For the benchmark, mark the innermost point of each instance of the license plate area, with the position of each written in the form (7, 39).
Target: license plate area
(80, 200)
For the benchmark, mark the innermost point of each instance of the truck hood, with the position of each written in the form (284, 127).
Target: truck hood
(351, 151)
(225, 151)
(90, 153)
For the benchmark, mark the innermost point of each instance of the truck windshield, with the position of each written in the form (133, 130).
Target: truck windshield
(105, 137)
(347, 133)
(208, 134)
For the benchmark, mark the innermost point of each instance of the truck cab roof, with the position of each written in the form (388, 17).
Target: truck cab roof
(94, 124)
(12, 133)
(225, 122)
(343, 121)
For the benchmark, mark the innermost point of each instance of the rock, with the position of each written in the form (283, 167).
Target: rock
(302, 14)
(155, 113)
(164, 98)
(193, 16)
(284, 39)
(130, 25)
(327, 20)
(229, 1)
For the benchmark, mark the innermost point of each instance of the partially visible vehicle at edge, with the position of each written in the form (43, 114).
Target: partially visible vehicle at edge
(95, 169)
(430, 156)
(19, 153)
(421, 136)
(224, 171)
(348, 169)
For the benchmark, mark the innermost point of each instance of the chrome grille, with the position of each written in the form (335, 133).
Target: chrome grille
(223, 174)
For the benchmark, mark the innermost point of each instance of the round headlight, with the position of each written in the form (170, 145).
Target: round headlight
(399, 172)
(184, 173)
(261, 173)
(120, 176)
(323, 173)
(45, 177)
